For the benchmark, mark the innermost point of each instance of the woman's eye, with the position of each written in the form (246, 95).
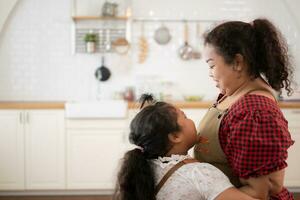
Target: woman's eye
(211, 67)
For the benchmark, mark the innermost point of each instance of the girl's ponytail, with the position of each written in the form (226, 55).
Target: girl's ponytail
(272, 55)
(135, 178)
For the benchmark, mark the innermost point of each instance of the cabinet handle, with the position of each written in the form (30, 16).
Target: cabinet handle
(27, 117)
(296, 111)
(124, 136)
(21, 117)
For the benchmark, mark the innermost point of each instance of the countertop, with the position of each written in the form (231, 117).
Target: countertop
(131, 105)
(32, 105)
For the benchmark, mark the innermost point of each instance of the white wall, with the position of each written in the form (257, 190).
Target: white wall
(5, 7)
(36, 60)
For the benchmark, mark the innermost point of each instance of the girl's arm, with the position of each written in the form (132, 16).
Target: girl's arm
(263, 186)
(233, 194)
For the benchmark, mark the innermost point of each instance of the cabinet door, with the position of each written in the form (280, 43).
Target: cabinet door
(44, 144)
(11, 150)
(93, 156)
(292, 175)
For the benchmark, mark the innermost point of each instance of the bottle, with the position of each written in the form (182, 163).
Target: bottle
(129, 94)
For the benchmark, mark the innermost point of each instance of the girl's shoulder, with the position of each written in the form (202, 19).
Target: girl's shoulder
(166, 163)
(206, 170)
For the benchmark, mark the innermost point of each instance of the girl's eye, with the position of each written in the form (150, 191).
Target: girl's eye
(211, 67)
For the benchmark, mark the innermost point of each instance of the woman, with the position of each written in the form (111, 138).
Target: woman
(245, 134)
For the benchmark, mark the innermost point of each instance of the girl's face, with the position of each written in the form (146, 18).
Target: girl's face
(188, 129)
(223, 74)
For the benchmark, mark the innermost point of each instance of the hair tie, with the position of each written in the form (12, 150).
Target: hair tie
(140, 148)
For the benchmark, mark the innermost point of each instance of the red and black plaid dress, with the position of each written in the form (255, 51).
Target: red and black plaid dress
(254, 136)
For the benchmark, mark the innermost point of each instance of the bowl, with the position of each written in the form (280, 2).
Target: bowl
(193, 97)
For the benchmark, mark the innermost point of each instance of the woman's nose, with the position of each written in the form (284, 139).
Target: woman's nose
(210, 74)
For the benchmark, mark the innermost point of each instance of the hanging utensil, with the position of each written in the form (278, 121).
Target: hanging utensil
(196, 53)
(162, 35)
(186, 51)
(102, 73)
(143, 46)
(107, 41)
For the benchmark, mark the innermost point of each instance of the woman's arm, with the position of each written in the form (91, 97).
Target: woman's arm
(263, 186)
(233, 194)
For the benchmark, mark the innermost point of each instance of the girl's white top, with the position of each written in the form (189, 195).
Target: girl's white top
(193, 181)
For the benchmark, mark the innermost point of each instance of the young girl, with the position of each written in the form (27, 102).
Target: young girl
(163, 135)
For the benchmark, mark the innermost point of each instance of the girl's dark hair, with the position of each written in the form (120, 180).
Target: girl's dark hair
(262, 47)
(149, 130)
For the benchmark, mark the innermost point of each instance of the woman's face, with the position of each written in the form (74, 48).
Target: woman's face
(223, 74)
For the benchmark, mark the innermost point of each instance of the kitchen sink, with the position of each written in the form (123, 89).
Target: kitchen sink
(96, 109)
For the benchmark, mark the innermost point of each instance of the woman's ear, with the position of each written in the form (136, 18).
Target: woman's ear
(175, 137)
(239, 62)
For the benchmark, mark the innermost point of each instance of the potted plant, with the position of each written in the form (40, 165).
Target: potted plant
(90, 41)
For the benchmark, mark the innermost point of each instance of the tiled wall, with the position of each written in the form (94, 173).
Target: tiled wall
(37, 63)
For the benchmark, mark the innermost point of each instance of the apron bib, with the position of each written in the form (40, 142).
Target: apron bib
(209, 148)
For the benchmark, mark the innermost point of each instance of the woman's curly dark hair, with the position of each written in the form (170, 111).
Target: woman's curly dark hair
(262, 47)
(149, 130)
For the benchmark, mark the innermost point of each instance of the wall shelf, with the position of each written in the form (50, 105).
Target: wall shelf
(108, 29)
(122, 18)
(155, 20)
(105, 37)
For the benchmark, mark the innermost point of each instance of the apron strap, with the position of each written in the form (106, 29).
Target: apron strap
(261, 89)
(171, 171)
(248, 92)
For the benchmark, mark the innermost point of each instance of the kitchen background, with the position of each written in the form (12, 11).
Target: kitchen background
(56, 146)
(38, 61)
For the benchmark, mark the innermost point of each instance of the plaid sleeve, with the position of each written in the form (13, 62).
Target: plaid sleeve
(257, 143)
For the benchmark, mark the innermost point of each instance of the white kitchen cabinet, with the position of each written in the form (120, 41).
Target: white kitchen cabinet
(32, 149)
(94, 150)
(292, 175)
(11, 150)
(45, 149)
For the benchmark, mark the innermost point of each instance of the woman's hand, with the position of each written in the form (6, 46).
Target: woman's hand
(263, 186)
(233, 194)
